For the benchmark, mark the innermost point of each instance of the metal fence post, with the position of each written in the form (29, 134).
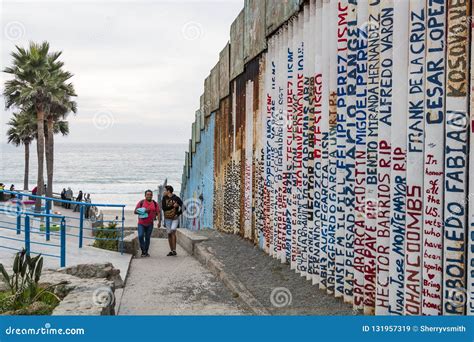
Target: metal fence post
(27, 234)
(18, 215)
(123, 224)
(81, 225)
(63, 242)
(48, 219)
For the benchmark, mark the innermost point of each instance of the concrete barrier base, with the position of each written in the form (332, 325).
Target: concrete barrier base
(188, 239)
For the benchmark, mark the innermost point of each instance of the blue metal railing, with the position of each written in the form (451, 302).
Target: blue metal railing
(26, 240)
(75, 226)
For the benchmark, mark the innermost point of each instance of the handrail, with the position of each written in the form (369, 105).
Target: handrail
(62, 201)
(32, 213)
(28, 215)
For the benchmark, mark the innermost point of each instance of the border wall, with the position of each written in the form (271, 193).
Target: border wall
(334, 134)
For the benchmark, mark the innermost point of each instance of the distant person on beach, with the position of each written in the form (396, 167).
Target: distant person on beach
(12, 188)
(2, 196)
(69, 196)
(171, 205)
(147, 210)
(78, 199)
(87, 199)
(63, 197)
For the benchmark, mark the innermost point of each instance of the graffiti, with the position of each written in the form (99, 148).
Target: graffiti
(247, 214)
(318, 91)
(343, 150)
(383, 157)
(470, 231)
(360, 156)
(341, 145)
(434, 155)
(352, 39)
(332, 167)
(370, 210)
(456, 135)
(398, 162)
(414, 166)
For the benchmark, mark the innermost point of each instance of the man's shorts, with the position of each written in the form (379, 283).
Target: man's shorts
(171, 225)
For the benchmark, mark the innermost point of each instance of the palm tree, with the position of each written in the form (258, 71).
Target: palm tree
(22, 131)
(54, 122)
(38, 82)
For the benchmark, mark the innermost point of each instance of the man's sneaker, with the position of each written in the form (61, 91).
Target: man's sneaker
(170, 254)
(174, 253)
(147, 255)
(143, 255)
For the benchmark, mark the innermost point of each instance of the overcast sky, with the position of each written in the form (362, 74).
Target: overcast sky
(139, 66)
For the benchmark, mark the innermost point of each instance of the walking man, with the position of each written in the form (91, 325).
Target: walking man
(171, 205)
(147, 210)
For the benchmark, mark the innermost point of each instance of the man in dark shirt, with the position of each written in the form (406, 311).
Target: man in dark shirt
(171, 205)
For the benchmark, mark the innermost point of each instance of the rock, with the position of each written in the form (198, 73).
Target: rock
(84, 290)
(83, 296)
(37, 308)
(98, 270)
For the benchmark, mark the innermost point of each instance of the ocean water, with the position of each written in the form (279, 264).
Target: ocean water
(111, 173)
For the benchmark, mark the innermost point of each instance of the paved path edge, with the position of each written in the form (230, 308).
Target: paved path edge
(118, 298)
(206, 258)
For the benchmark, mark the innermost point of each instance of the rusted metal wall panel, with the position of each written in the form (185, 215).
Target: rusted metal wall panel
(214, 88)
(222, 148)
(224, 72)
(254, 29)
(237, 46)
(278, 12)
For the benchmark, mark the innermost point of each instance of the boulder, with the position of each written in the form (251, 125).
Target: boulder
(98, 270)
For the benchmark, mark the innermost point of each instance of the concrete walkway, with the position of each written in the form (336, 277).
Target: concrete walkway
(161, 285)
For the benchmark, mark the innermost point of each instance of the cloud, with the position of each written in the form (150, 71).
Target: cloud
(142, 61)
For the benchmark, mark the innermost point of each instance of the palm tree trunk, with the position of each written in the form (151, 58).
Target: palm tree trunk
(50, 156)
(40, 150)
(27, 166)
